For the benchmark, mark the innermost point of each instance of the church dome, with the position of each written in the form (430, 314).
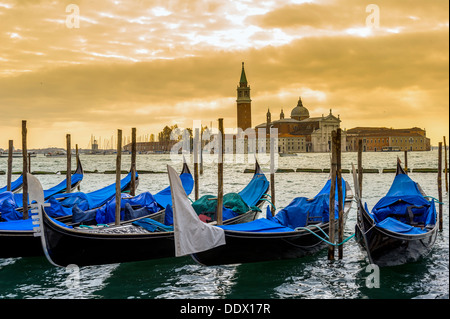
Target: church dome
(300, 112)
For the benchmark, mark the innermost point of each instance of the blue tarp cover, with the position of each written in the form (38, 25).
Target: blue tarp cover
(261, 225)
(164, 197)
(8, 207)
(148, 204)
(84, 201)
(14, 185)
(392, 210)
(294, 215)
(152, 225)
(61, 187)
(253, 192)
(9, 202)
(25, 224)
(399, 227)
(107, 213)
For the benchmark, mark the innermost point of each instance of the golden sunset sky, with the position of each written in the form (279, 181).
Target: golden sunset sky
(147, 64)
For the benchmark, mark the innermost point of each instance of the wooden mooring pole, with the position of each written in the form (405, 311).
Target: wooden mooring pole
(10, 159)
(29, 162)
(445, 166)
(118, 171)
(272, 170)
(195, 147)
(201, 151)
(220, 141)
(360, 168)
(133, 162)
(77, 158)
(406, 162)
(76, 154)
(331, 221)
(24, 170)
(439, 181)
(340, 195)
(69, 165)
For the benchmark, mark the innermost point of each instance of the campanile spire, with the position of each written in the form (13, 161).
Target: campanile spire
(244, 108)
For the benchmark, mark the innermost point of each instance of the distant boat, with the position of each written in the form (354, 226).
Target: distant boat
(56, 154)
(287, 154)
(390, 149)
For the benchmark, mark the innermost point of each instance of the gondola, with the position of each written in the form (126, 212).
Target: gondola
(402, 226)
(75, 180)
(17, 236)
(143, 239)
(11, 204)
(295, 231)
(142, 205)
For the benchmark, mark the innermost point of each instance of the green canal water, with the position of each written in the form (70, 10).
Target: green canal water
(312, 277)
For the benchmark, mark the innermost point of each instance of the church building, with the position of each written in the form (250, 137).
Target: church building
(298, 133)
(244, 103)
(302, 133)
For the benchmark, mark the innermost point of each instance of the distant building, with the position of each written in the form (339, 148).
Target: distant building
(152, 147)
(378, 139)
(302, 133)
(244, 103)
(95, 146)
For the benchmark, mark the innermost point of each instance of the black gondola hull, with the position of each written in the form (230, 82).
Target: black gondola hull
(25, 244)
(68, 246)
(386, 248)
(19, 244)
(248, 247)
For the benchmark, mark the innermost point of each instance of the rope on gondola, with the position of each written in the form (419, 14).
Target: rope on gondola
(328, 242)
(269, 202)
(435, 199)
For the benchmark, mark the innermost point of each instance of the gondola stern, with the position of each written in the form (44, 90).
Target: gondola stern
(79, 169)
(399, 169)
(36, 196)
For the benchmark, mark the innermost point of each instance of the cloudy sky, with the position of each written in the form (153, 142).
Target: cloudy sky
(96, 66)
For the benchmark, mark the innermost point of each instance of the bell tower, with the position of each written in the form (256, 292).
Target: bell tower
(244, 103)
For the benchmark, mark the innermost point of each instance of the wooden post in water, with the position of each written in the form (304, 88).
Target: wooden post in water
(69, 165)
(76, 155)
(439, 181)
(332, 227)
(77, 162)
(201, 151)
(445, 166)
(10, 159)
(340, 195)
(220, 141)
(272, 170)
(195, 147)
(29, 162)
(118, 171)
(24, 170)
(360, 168)
(406, 162)
(133, 162)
